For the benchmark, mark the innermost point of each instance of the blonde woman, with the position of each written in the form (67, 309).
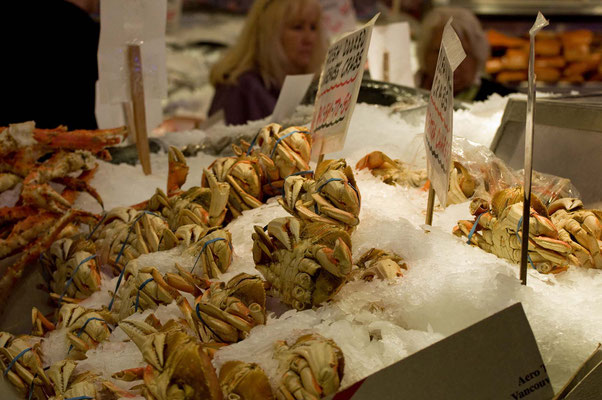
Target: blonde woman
(280, 37)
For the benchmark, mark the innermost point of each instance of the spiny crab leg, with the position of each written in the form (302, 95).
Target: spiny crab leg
(36, 190)
(92, 140)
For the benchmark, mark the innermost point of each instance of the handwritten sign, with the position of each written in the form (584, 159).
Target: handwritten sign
(438, 132)
(338, 17)
(122, 23)
(474, 363)
(291, 94)
(339, 86)
(392, 43)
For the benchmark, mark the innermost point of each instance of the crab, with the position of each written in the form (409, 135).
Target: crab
(244, 381)
(381, 264)
(331, 196)
(21, 364)
(72, 267)
(498, 231)
(581, 228)
(67, 385)
(245, 177)
(289, 149)
(143, 289)
(125, 234)
(179, 367)
(257, 174)
(225, 313)
(201, 206)
(84, 328)
(305, 264)
(392, 171)
(311, 369)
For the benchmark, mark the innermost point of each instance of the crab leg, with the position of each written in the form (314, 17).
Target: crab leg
(36, 190)
(92, 140)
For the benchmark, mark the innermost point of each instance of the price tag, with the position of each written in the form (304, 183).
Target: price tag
(125, 22)
(392, 41)
(438, 132)
(338, 17)
(340, 83)
(291, 94)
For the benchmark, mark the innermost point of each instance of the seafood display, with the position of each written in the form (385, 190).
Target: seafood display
(193, 294)
(559, 57)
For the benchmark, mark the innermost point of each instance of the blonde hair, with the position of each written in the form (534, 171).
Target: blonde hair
(259, 45)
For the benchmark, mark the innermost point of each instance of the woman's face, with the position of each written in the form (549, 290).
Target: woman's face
(299, 38)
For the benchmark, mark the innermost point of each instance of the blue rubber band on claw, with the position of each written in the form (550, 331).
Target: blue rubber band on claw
(81, 330)
(139, 289)
(474, 228)
(14, 360)
(125, 242)
(207, 243)
(85, 260)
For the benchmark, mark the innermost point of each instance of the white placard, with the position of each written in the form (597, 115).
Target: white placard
(291, 94)
(496, 358)
(438, 131)
(124, 22)
(393, 40)
(338, 17)
(340, 83)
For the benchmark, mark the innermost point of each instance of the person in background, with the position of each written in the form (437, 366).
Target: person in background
(469, 83)
(50, 67)
(280, 37)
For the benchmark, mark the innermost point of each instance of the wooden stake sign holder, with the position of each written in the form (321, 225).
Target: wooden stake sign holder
(138, 105)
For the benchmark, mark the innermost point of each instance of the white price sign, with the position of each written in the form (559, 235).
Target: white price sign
(338, 17)
(340, 83)
(438, 131)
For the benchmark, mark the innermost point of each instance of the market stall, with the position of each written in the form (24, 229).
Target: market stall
(447, 285)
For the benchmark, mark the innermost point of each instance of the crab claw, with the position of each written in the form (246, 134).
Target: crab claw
(150, 342)
(178, 170)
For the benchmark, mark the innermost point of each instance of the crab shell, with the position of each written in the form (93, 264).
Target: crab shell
(244, 381)
(305, 264)
(120, 241)
(85, 328)
(311, 368)
(226, 314)
(213, 253)
(27, 369)
(71, 259)
(289, 149)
